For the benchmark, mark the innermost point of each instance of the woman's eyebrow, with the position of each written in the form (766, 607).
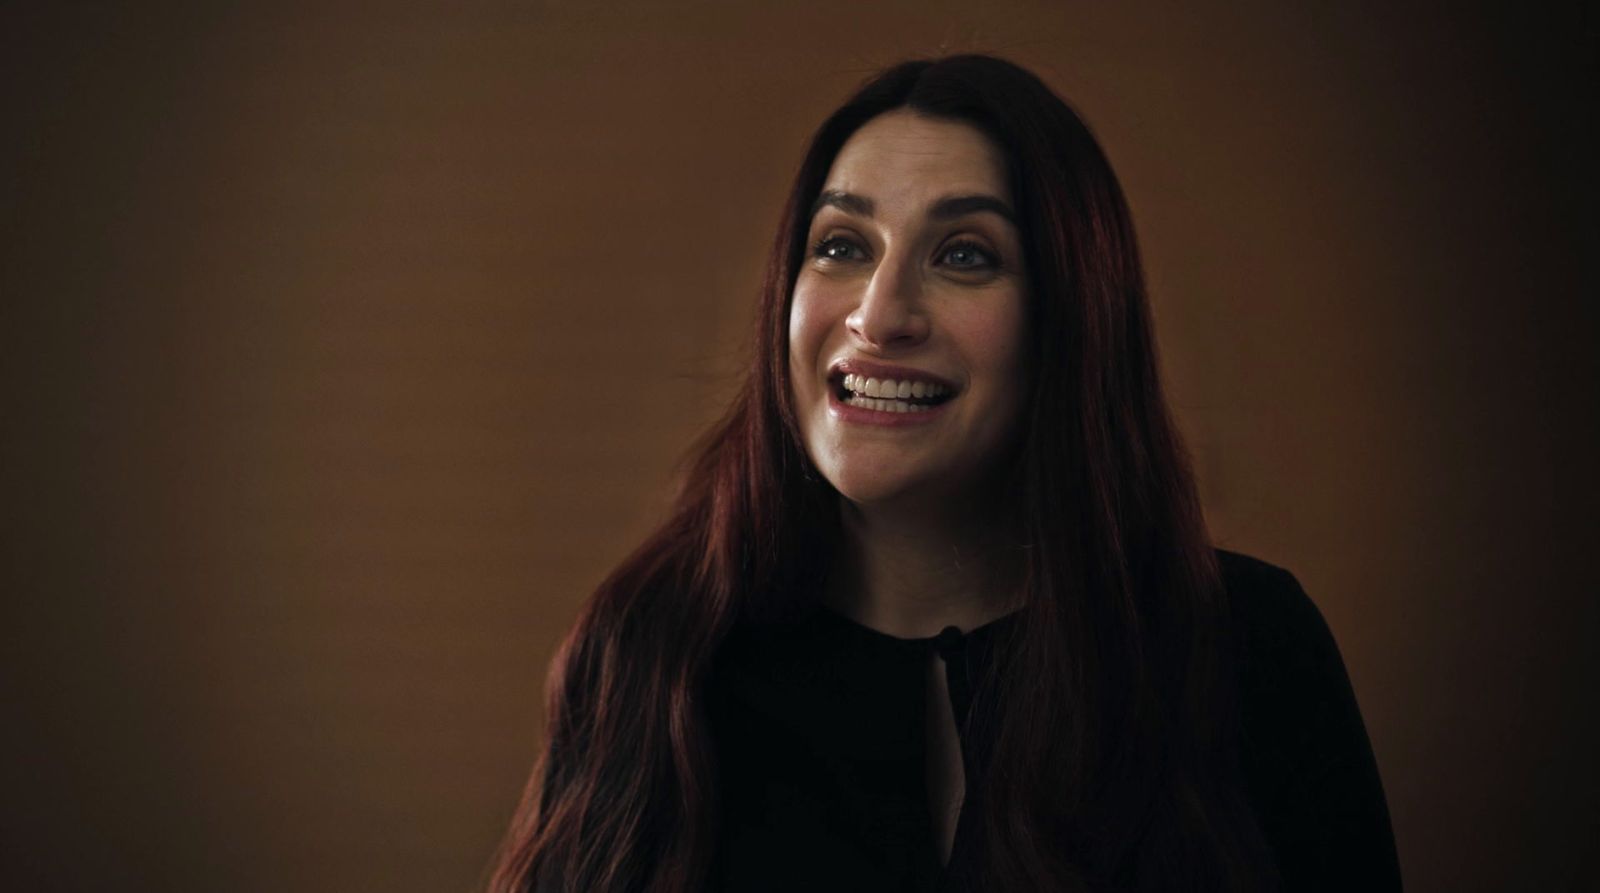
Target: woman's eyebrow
(849, 202)
(944, 209)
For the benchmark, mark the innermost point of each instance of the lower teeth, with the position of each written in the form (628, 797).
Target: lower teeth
(886, 405)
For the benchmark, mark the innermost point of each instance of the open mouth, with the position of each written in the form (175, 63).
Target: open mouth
(887, 394)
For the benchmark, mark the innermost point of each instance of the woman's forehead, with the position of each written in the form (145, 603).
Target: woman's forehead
(902, 158)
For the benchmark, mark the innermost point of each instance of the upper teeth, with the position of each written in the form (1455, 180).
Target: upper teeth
(888, 387)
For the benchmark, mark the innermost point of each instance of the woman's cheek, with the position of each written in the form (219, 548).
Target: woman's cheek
(808, 326)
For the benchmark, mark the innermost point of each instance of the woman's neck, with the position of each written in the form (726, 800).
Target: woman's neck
(910, 573)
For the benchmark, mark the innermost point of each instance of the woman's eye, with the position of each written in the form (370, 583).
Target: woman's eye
(967, 256)
(835, 248)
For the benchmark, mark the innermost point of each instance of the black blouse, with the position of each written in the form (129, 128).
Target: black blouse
(820, 733)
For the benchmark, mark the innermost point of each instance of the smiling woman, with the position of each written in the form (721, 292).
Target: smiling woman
(915, 283)
(936, 608)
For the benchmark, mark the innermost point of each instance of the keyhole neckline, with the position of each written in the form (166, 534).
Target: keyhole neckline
(948, 642)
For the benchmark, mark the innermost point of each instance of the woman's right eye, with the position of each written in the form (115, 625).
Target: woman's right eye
(836, 248)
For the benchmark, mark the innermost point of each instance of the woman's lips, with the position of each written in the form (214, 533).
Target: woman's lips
(865, 392)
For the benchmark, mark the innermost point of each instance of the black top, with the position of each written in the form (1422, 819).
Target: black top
(821, 738)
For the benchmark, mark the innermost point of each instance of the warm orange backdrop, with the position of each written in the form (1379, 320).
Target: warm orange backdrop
(345, 350)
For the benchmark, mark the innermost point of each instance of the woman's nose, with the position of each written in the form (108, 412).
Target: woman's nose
(890, 312)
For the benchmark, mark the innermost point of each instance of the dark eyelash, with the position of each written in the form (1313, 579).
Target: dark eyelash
(820, 246)
(992, 259)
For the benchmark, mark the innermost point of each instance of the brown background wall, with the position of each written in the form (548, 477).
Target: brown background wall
(343, 352)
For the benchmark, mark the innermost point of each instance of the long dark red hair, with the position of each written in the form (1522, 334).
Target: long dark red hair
(1114, 763)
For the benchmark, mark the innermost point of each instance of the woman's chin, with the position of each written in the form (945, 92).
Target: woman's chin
(890, 490)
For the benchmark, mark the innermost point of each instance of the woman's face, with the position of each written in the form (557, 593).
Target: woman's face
(906, 327)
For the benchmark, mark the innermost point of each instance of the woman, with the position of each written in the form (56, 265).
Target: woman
(936, 608)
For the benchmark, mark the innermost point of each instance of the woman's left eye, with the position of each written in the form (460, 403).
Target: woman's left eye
(967, 256)
(836, 248)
